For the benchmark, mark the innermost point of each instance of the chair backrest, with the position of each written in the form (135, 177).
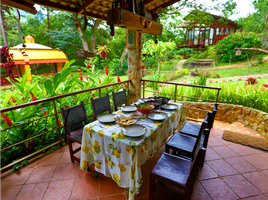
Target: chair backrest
(119, 98)
(196, 164)
(100, 105)
(199, 136)
(74, 117)
(206, 136)
(212, 117)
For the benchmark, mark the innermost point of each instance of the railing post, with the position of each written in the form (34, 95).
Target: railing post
(57, 121)
(99, 92)
(175, 93)
(217, 96)
(128, 93)
(143, 88)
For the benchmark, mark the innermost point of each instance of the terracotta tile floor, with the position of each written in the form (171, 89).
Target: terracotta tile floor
(231, 171)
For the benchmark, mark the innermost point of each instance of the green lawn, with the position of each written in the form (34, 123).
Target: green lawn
(242, 71)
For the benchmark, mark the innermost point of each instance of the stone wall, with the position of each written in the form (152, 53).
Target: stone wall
(255, 119)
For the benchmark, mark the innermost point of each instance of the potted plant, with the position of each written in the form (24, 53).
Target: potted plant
(103, 50)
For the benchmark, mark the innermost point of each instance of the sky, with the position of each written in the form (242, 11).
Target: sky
(243, 8)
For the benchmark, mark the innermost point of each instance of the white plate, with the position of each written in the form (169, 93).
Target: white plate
(157, 116)
(144, 100)
(134, 130)
(169, 106)
(106, 118)
(129, 109)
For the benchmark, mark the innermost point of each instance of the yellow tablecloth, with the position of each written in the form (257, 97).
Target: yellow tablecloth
(120, 157)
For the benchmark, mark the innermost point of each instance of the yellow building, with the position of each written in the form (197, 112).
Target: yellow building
(38, 55)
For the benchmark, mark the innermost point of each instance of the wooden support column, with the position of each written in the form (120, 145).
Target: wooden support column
(134, 70)
(26, 68)
(59, 67)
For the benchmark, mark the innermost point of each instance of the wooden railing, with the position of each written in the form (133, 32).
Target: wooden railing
(56, 112)
(175, 96)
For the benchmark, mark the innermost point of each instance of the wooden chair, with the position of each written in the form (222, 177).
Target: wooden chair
(192, 129)
(100, 105)
(176, 171)
(74, 118)
(184, 145)
(119, 98)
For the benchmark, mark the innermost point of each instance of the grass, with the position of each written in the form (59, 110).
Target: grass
(242, 71)
(167, 65)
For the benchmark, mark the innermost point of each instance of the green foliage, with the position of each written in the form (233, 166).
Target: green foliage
(254, 96)
(225, 47)
(41, 88)
(210, 53)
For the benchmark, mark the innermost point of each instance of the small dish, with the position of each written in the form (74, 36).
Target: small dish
(169, 106)
(106, 118)
(158, 116)
(129, 109)
(134, 130)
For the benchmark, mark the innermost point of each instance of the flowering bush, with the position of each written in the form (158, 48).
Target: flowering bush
(7, 60)
(225, 47)
(251, 81)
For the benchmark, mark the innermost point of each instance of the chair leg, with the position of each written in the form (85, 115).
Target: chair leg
(70, 149)
(152, 187)
(187, 196)
(96, 174)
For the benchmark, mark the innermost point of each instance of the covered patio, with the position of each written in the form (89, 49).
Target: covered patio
(231, 171)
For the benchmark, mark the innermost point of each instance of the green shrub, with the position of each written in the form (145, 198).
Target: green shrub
(225, 47)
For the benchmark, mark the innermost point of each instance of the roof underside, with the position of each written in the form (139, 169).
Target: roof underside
(94, 8)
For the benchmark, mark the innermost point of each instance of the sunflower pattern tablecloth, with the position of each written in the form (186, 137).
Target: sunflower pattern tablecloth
(120, 157)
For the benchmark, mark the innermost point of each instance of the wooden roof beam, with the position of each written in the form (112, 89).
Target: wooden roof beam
(146, 2)
(88, 3)
(101, 17)
(166, 4)
(23, 6)
(55, 5)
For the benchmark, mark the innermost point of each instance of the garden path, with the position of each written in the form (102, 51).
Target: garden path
(231, 171)
(179, 64)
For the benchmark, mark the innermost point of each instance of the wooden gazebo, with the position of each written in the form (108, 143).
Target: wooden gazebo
(136, 17)
(197, 36)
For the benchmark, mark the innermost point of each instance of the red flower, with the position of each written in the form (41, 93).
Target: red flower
(59, 122)
(241, 30)
(14, 101)
(23, 99)
(47, 92)
(81, 78)
(99, 81)
(7, 120)
(66, 107)
(143, 67)
(118, 78)
(41, 108)
(265, 85)
(33, 97)
(106, 70)
(44, 112)
(93, 94)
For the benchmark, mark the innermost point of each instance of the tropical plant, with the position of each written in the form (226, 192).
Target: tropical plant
(103, 48)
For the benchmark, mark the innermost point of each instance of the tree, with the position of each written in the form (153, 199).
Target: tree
(4, 9)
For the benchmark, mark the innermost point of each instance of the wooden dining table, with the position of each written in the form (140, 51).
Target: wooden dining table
(120, 157)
